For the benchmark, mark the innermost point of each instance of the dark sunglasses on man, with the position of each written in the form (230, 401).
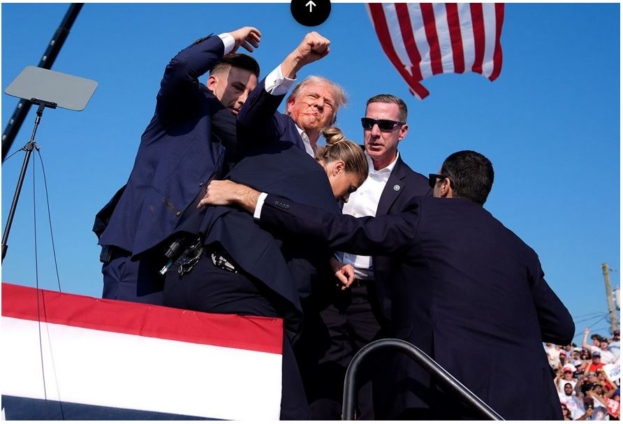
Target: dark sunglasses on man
(385, 125)
(432, 180)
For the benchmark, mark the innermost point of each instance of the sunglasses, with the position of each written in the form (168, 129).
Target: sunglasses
(432, 179)
(386, 125)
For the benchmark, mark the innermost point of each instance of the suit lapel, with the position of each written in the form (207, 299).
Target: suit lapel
(393, 188)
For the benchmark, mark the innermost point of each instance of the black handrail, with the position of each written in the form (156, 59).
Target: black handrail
(426, 362)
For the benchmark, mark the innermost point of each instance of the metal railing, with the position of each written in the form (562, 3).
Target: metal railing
(426, 362)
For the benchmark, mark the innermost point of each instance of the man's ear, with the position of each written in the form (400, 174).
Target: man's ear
(211, 83)
(403, 132)
(445, 191)
(289, 105)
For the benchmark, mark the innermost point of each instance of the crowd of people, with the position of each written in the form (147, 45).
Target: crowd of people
(587, 377)
(235, 207)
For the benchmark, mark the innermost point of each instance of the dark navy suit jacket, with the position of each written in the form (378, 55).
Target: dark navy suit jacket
(178, 154)
(260, 123)
(402, 187)
(285, 263)
(468, 292)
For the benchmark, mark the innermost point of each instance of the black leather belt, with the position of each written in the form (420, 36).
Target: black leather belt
(191, 256)
(360, 283)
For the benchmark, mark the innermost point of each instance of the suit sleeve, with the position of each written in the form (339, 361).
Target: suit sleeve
(556, 323)
(180, 95)
(259, 122)
(223, 126)
(390, 234)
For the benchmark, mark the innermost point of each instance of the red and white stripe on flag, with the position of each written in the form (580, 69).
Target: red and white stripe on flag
(115, 355)
(426, 39)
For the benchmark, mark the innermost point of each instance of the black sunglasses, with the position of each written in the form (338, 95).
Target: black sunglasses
(384, 124)
(432, 179)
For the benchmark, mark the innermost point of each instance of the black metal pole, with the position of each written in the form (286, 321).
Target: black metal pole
(349, 400)
(23, 107)
(28, 148)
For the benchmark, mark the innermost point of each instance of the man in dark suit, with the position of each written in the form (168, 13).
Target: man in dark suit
(311, 107)
(181, 149)
(468, 292)
(265, 274)
(354, 317)
(239, 267)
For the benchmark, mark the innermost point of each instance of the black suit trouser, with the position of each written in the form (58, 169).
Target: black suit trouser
(208, 288)
(350, 321)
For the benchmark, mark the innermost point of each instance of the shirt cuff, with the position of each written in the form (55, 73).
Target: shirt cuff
(228, 42)
(259, 204)
(276, 84)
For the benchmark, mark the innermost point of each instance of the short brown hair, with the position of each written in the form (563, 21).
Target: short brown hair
(236, 60)
(390, 98)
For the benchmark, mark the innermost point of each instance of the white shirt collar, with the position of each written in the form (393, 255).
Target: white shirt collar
(306, 142)
(387, 170)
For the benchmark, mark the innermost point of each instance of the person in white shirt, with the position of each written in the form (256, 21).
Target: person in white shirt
(564, 377)
(358, 315)
(572, 401)
(601, 346)
(553, 355)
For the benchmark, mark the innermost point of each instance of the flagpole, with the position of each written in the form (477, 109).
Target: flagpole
(46, 62)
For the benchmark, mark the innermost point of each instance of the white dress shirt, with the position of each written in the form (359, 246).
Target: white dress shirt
(365, 202)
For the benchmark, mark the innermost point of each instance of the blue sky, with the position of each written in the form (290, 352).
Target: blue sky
(550, 124)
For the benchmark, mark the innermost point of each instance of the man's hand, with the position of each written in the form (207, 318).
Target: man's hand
(313, 47)
(345, 273)
(227, 192)
(247, 38)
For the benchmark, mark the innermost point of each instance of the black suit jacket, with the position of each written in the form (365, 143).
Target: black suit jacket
(468, 292)
(285, 263)
(402, 187)
(260, 123)
(180, 150)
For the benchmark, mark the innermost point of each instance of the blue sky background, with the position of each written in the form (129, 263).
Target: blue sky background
(550, 124)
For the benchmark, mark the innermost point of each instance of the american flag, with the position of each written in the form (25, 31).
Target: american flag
(426, 39)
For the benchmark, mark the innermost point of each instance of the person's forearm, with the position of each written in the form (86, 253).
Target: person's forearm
(313, 47)
(246, 197)
(291, 65)
(585, 340)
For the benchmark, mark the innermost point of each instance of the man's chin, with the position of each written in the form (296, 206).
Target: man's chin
(315, 125)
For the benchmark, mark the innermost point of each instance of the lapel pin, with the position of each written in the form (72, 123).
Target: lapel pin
(396, 187)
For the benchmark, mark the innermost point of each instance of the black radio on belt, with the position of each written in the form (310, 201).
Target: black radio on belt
(177, 249)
